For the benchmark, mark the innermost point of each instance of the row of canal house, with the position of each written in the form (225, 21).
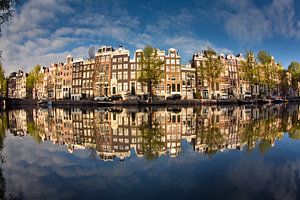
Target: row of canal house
(208, 130)
(116, 73)
(16, 85)
(113, 71)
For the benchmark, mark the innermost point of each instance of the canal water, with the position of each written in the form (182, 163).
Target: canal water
(245, 152)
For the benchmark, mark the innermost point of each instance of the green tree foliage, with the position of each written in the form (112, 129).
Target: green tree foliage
(283, 79)
(294, 70)
(6, 10)
(151, 72)
(3, 82)
(268, 68)
(33, 130)
(34, 77)
(151, 134)
(249, 70)
(212, 67)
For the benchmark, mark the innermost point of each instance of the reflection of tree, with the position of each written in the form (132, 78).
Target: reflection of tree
(214, 139)
(151, 134)
(269, 134)
(250, 134)
(34, 131)
(294, 132)
(209, 135)
(3, 127)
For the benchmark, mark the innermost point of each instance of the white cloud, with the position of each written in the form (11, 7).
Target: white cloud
(34, 36)
(188, 45)
(249, 23)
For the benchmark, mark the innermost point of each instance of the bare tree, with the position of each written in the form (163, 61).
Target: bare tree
(6, 10)
(91, 52)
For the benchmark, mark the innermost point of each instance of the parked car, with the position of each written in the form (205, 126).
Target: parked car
(133, 97)
(115, 97)
(247, 95)
(224, 96)
(174, 97)
(101, 98)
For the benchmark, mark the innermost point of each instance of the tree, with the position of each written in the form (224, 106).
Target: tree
(151, 72)
(212, 68)
(283, 81)
(268, 69)
(294, 70)
(249, 70)
(33, 78)
(6, 10)
(3, 82)
(91, 52)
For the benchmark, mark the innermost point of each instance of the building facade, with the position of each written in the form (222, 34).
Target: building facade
(87, 79)
(102, 71)
(77, 72)
(67, 78)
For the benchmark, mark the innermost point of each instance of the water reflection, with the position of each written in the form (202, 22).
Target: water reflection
(147, 139)
(152, 132)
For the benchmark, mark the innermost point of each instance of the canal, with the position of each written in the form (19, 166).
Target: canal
(215, 152)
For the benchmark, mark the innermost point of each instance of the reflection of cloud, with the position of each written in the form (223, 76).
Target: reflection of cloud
(257, 178)
(51, 170)
(48, 171)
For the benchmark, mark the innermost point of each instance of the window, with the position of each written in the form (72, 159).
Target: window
(114, 67)
(125, 59)
(178, 87)
(119, 87)
(114, 59)
(125, 75)
(119, 66)
(125, 66)
(178, 62)
(172, 61)
(132, 66)
(114, 75)
(132, 75)
(120, 76)
(125, 86)
(119, 59)
(167, 61)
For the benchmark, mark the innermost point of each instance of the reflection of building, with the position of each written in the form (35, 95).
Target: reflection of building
(153, 132)
(18, 122)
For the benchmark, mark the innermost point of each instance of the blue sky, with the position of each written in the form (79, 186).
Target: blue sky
(43, 32)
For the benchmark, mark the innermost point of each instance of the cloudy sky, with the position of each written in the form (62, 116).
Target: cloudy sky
(45, 31)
